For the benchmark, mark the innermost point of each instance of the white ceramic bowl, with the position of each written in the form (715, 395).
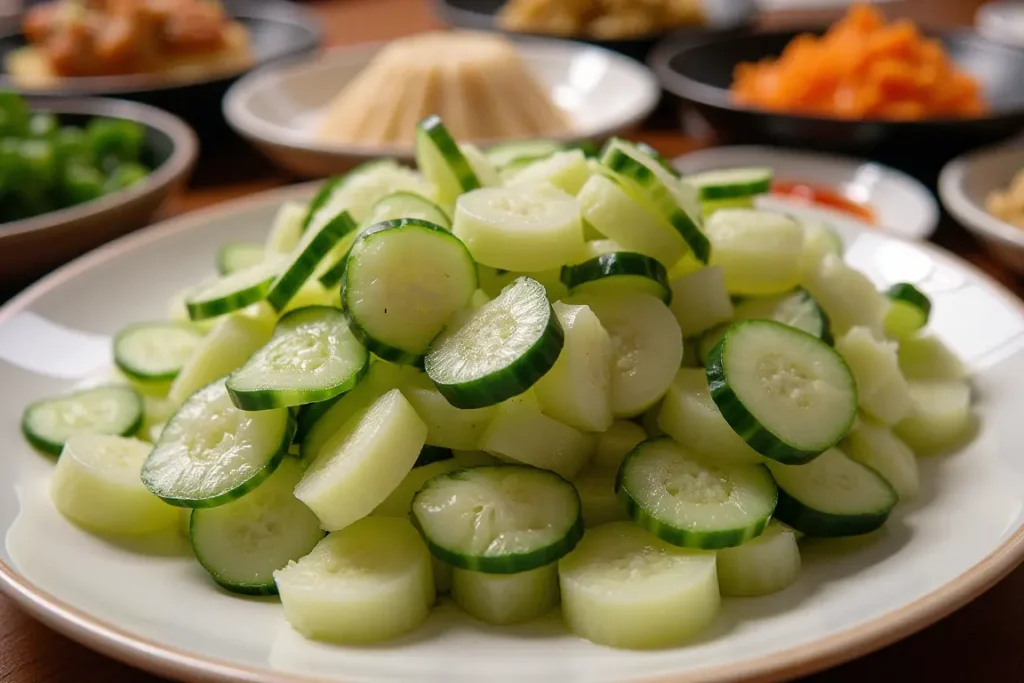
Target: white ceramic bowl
(1002, 22)
(964, 184)
(902, 206)
(278, 108)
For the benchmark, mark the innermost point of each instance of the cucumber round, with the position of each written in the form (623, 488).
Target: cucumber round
(235, 256)
(405, 204)
(154, 352)
(733, 183)
(909, 310)
(761, 566)
(504, 599)
(442, 162)
(233, 292)
(109, 410)
(314, 247)
(619, 271)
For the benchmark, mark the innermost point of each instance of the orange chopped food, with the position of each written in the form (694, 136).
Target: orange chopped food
(862, 68)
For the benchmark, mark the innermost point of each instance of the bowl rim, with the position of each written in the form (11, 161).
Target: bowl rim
(184, 153)
(236, 110)
(701, 93)
(964, 209)
(273, 11)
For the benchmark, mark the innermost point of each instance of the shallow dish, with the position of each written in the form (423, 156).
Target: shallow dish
(963, 186)
(279, 107)
(34, 246)
(852, 597)
(1001, 21)
(901, 205)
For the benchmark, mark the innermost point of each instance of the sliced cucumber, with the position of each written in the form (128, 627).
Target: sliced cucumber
(154, 352)
(447, 426)
(442, 162)
(832, 496)
(499, 350)
(732, 183)
(759, 251)
(224, 348)
(576, 390)
(399, 502)
(908, 311)
(762, 565)
(367, 583)
(877, 447)
(655, 155)
(361, 188)
(211, 453)
(241, 544)
(314, 247)
(286, 230)
(941, 419)
(512, 153)
(406, 204)
(820, 238)
(618, 271)
(624, 588)
(96, 485)
(647, 348)
(848, 296)
(233, 292)
(528, 228)
(483, 169)
(404, 279)
(311, 357)
(363, 462)
(598, 500)
(566, 170)
(700, 300)
(881, 389)
(499, 520)
(107, 410)
(504, 599)
(614, 444)
(926, 357)
(694, 504)
(235, 256)
(788, 394)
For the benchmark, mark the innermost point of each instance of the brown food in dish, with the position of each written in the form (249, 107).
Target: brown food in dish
(1008, 205)
(600, 19)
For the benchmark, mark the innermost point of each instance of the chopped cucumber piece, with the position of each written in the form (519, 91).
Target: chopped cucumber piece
(399, 502)
(367, 583)
(404, 204)
(624, 588)
(732, 183)
(154, 352)
(211, 453)
(96, 484)
(618, 271)
(598, 500)
(653, 154)
(233, 292)
(566, 170)
(832, 496)
(500, 520)
(361, 188)
(235, 256)
(447, 426)
(848, 296)
(908, 311)
(241, 544)
(499, 350)
(759, 251)
(694, 504)
(700, 300)
(482, 167)
(788, 394)
(877, 447)
(941, 418)
(107, 410)
(311, 357)
(226, 347)
(762, 565)
(615, 443)
(286, 230)
(442, 162)
(925, 357)
(881, 390)
(404, 279)
(511, 153)
(314, 247)
(504, 599)
(820, 238)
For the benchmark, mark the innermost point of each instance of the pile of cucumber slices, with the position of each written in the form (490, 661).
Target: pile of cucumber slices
(531, 376)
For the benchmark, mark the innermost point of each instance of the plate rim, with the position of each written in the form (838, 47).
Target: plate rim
(118, 643)
(964, 210)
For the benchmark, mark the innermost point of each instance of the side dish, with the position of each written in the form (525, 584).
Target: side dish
(600, 19)
(1008, 204)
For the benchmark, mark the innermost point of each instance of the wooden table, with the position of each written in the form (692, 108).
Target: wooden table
(982, 642)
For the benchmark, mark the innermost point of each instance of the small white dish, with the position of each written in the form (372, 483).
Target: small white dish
(964, 184)
(901, 205)
(159, 610)
(1001, 22)
(279, 107)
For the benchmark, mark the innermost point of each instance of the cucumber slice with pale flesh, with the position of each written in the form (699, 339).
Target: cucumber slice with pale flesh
(908, 310)
(759, 251)
(314, 247)
(504, 599)
(447, 426)
(565, 170)
(881, 389)
(366, 583)
(404, 204)
(154, 352)
(786, 393)
(687, 502)
(48, 424)
(442, 162)
(286, 228)
(511, 153)
(598, 500)
(226, 347)
(624, 588)
(877, 447)
(700, 300)
(361, 188)
(615, 443)
(242, 543)
(941, 418)
(926, 357)
(847, 295)
(616, 272)
(732, 183)
(211, 453)
(235, 256)
(763, 565)
(96, 484)
(233, 292)
(399, 502)
(311, 357)
(500, 520)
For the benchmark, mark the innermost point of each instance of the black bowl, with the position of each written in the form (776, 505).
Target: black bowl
(725, 16)
(277, 30)
(700, 74)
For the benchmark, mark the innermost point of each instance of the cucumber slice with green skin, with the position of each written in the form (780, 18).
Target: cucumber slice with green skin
(504, 599)
(881, 390)
(820, 238)
(308, 414)
(442, 162)
(319, 201)
(654, 154)
(694, 504)
(761, 566)
(363, 462)
(498, 520)
(236, 256)
(286, 230)
(498, 351)
(315, 245)
(311, 357)
(877, 447)
(614, 444)
(618, 271)
(154, 352)
(367, 583)
(331, 276)
(447, 426)
(399, 502)
(926, 357)
(941, 418)
(614, 213)
(211, 453)
(908, 311)
(241, 544)
(108, 410)
(442, 575)
(406, 204)
(404, 280)
(527, 228)
(733, 183)
(96, 485)
(566, 170)
(759, 251)
(510, 153)
(624, 588)
(647, 348)
(225, 348)
(832, 496)
(600, 503)
(483, 169)
(361, 188)
(700, 300)
(233, 292)
(675, 202)
(431, 454)
(788, 394)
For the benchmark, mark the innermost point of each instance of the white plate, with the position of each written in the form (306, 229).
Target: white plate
(278, 108)
(1002, 22)
(902, 206)
(160, 611)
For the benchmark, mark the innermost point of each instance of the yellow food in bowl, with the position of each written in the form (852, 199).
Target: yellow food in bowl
(1008, 205)
(600, 19)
